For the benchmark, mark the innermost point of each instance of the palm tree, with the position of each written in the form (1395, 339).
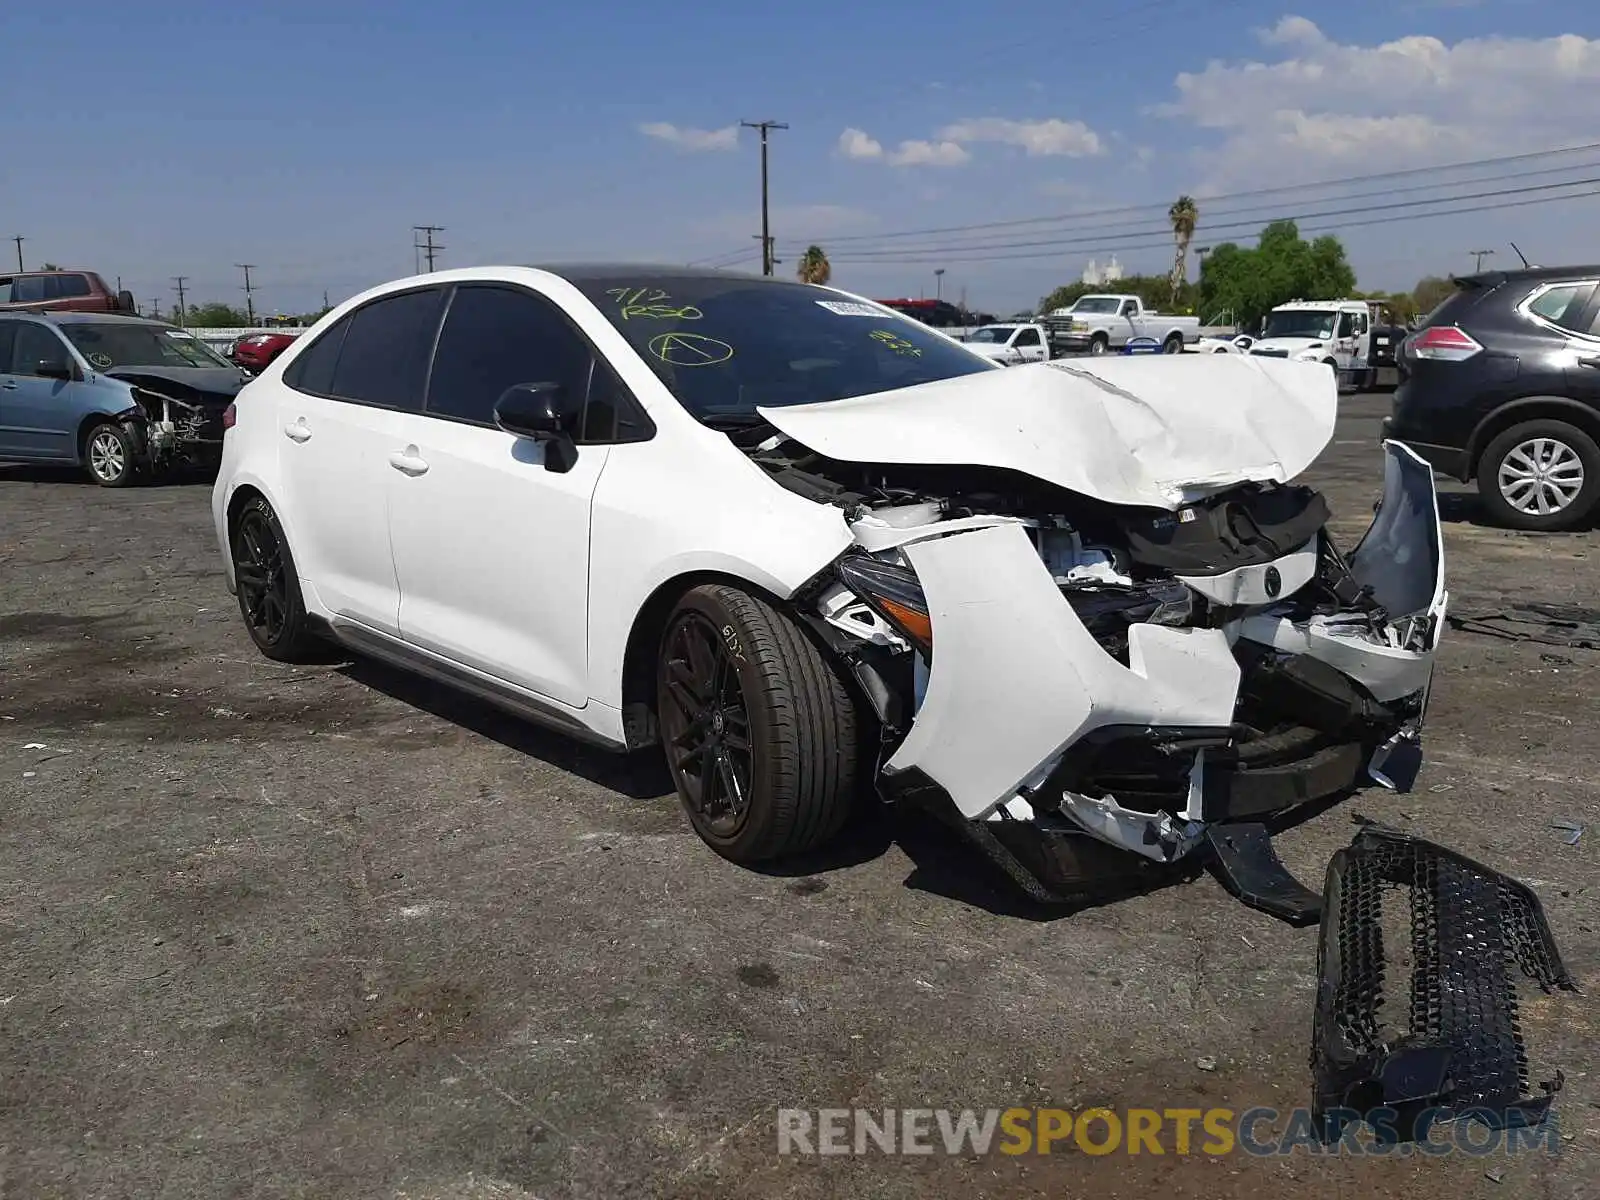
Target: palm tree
(814, 266)
(1184, 215)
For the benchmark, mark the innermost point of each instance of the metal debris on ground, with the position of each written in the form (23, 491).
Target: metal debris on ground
(1572, 625)
(1573, 830)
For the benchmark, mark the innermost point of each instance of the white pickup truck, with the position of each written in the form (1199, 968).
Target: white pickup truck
(1101, 323)
(1010, 343)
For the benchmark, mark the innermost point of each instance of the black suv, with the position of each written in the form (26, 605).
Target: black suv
(1501, 383)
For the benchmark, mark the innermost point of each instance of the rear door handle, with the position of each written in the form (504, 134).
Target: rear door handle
(9, 385)
(298, 432)
(1592, 361)
(407, 462)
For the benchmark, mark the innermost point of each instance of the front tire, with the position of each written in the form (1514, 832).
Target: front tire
(760, 733)
(109, 455)
(1099, 344)
(1542, 476)
(1173, 344)
(270, 601)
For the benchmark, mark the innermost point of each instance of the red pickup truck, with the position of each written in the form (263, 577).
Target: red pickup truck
(61, 291)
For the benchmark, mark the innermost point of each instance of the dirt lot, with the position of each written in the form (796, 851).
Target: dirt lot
(274, 932)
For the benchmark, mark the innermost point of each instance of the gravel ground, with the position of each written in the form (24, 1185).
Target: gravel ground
(327, 931)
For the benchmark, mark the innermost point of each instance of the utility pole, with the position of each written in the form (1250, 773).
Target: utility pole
(180, 280)
(249, 299)
(19, 241)
(428, 247)
(938, 283)
(1477, 258)
(765, 127)
(155, 308)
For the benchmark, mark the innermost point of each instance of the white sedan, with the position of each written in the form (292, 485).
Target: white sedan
(811, 549)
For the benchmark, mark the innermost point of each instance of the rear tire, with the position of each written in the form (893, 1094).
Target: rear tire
(1550, 458)
(760, 732)
(109, 455)
(270, 600)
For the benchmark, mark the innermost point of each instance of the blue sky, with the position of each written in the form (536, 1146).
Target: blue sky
(308, 138)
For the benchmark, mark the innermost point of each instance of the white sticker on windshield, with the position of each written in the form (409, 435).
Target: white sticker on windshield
(178, 333)
(851, 308)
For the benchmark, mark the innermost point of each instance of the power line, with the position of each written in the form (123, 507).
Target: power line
(1115, 240)
(249, 299)
(428, 247)
(1142, 228)
(1166, 243)
(1285, 189)
(765, 127)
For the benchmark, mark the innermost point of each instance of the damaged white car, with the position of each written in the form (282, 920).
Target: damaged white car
(811, 547)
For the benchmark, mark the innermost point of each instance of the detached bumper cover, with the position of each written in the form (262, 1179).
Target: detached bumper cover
(1452, 1046)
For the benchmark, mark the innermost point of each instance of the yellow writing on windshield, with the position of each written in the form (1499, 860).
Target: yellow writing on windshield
(894, 342)
(651, 302)
(689, 349)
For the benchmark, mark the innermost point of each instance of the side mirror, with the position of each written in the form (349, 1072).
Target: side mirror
(538, 411)
(57, 368)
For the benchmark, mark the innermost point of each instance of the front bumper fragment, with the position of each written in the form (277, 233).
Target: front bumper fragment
(1451, 1047)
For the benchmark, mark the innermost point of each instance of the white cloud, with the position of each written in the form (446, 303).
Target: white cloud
(1047, 137)
(917, 153)
(853, 143)
(695, 140)
(1327, 107)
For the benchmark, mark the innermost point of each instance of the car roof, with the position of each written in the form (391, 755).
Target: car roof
(86, 318)
(581, 273)
(1529, 275)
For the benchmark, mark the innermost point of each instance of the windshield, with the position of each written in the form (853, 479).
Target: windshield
(1097, 304)
(1302, 322)
(724, 346)
(108, 346)
(993, 334)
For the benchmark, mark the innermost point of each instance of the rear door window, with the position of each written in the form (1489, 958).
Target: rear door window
(8, 336)
(312, 371)
(70, 287)
(384, 358)
(1563, 304)
(30, 289)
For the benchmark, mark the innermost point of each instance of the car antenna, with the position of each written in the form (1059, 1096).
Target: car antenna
(1520, 255)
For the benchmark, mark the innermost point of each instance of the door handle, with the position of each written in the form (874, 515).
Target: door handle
(407, 462)
(298, 432)
(1592, 360)
(9, 385)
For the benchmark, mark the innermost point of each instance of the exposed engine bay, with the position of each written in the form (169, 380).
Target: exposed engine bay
(1129, 673)
(172, 423)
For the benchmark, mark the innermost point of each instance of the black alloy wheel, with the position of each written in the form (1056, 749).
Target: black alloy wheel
(705, 724)
(269, 588)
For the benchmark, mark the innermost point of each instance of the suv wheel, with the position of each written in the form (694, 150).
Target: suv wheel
(1542, 475)
(759, 730)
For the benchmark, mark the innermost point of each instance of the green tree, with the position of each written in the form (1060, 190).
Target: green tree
(814, 266)
(1430, 292)
(1184, 215)
(1249, 283)
(215, 315)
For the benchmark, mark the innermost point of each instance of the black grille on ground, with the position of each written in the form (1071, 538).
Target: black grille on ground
(1270, 353)
(1454, 1047)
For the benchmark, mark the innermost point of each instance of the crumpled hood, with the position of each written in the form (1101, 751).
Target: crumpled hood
(219, 382)
(1155, 432)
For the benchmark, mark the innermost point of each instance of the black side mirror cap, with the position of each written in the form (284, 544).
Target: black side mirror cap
(539, 411)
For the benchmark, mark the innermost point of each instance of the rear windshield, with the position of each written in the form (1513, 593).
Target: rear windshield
(1457, 304)
(724, 346)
